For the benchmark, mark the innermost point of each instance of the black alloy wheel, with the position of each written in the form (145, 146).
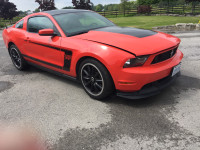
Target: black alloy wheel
(92, 79)
(96, 79)
(17, 58)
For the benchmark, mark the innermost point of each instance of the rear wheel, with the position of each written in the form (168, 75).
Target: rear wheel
(17, 58)
(96, 79)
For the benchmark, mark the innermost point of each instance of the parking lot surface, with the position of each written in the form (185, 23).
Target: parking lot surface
(70, 120)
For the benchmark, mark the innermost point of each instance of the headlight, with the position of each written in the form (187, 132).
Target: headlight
(134, 62)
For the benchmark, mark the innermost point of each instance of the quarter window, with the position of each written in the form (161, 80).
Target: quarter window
(38, 23)
(19, 25)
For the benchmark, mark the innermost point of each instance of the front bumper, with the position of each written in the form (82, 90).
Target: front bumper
(129, 80)
(150, 89)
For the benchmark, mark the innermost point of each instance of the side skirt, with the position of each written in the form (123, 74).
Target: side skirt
(53, 72)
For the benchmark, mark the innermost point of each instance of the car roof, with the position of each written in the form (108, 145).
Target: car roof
(64, 11)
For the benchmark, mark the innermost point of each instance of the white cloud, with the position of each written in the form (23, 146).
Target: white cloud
(32, 5)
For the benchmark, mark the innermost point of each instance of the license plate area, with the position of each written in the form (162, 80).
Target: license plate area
(176, 70)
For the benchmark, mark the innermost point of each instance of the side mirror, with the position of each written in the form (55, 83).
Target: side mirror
(47, 32)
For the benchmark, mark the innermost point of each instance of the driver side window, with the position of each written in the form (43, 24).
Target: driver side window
(38, 23)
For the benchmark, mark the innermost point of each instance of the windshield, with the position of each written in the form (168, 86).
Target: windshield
(81, 22)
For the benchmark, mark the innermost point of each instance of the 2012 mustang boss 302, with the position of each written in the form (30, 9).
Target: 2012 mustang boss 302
(105, 58)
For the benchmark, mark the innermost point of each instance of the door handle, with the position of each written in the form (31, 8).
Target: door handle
(27, 39)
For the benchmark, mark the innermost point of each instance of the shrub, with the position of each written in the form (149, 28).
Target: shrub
(1, 25)
(144, 9)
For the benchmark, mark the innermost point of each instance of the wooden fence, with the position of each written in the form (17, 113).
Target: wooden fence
(182, 10)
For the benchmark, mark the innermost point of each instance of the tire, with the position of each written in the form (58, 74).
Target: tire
(17, 58)
(95, 79)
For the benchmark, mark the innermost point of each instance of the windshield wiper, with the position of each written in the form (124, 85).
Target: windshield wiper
(78, 33)
(102, 27)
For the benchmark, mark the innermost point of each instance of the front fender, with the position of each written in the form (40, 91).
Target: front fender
(112, 58)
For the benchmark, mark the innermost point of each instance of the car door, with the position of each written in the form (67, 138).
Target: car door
(43, 49)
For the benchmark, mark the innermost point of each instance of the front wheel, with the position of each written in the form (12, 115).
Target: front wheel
(96, 79)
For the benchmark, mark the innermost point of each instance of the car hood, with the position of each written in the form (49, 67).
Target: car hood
(136, 41)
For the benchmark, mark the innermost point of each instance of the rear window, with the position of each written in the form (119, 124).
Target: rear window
(20, 25)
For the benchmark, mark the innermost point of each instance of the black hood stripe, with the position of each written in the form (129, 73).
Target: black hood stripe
(112, 46)
(139, 33)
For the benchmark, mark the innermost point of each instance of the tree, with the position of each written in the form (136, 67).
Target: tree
(124, 6)
(22, 13)
(82, 4)
(8, 10)
(36, 10)
(68, 7)
(193, 4)
(99, 7)
(167, 3)
(144, 2)
(115, 7)
(111, 7)
(147, 2)
(155, 1)
(180, 2)
(46, 5)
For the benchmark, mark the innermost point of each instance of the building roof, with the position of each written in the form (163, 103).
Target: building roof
(64, 11)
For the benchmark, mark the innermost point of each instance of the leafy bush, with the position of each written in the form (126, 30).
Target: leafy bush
(144, 9)
(1, 25)
(3, 22)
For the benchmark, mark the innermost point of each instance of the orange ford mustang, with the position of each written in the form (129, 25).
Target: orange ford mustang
(106, 59)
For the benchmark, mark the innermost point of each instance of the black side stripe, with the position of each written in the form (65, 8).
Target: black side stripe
(52, 71)
(113, 46)
(56, 48)
(67, 62)
(46, 63)
(53, 47)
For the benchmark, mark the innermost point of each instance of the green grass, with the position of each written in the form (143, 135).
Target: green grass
(147, 22)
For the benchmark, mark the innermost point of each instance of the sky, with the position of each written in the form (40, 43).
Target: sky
(32, 5)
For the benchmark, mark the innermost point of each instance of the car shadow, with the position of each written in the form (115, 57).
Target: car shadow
(167, 96)
(33, 69)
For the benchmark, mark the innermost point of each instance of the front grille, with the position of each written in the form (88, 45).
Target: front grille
(164, 56)
(156, 83)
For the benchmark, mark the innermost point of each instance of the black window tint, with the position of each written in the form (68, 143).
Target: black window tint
(38, 23)
(19, 25)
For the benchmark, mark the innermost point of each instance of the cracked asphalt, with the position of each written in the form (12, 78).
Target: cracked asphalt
(69, 120)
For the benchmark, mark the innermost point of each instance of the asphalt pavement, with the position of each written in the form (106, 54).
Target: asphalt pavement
(69, 120)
